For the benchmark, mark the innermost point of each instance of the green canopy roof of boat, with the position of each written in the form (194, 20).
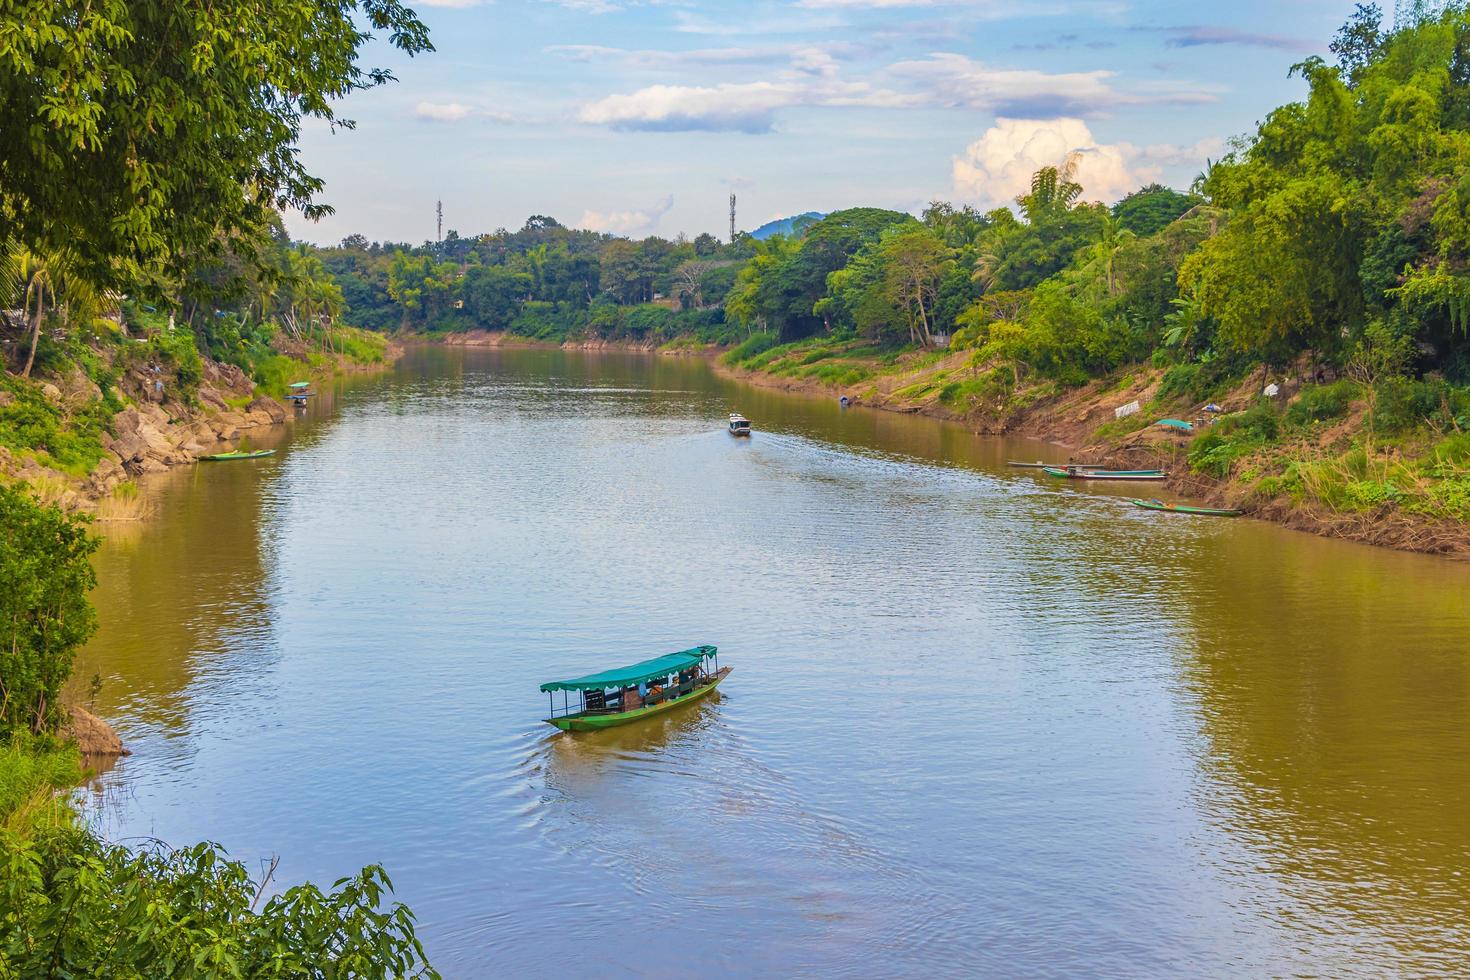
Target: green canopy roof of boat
(301, 384)
(669, 663)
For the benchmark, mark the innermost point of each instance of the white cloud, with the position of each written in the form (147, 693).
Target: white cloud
(631, 223)
(741, 107)
(705, 58)
(442, 111)
(957, 81)
(997, 168)
(692, 23)
(589, 6)
(453, 4)
(456, 111)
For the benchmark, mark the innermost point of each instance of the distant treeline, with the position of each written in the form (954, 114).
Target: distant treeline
(545, 281)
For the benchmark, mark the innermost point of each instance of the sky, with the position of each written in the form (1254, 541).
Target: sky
(640, 117)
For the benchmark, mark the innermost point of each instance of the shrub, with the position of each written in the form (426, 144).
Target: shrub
(1404, 405)
(31, 423)
(753, 345)
(74, 905)
(32, 769)
(1318, 403)
(45, 574)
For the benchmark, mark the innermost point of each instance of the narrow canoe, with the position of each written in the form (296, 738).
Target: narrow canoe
(1159, 505)
(1038, 465)
(592, 723)
(221, 457)
(1078, 474)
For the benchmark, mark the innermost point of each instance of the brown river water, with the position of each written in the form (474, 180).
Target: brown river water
(981, 721)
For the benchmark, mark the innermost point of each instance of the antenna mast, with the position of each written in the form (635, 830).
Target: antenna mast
(439, 214)
(732, 219)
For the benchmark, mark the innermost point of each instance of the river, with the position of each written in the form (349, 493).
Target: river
(980, 720)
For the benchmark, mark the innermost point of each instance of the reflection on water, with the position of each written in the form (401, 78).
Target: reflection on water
(981, 721)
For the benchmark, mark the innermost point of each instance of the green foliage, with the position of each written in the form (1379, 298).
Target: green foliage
(45, 574)
(175, 350)
(1179, 381)
(137, 134)
(1149, 210)
(73, 905)
(32, 771)
(1233, 437)
(750, 348)
(69, 440)
(1320, 403)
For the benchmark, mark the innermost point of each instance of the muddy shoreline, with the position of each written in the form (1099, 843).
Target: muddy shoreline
(1067, 421)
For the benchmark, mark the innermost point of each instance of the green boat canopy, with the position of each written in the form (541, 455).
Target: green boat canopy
(301, 384)
(1179, 424)
(669, 663)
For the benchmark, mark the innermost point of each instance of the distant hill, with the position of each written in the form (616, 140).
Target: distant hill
(783, 226)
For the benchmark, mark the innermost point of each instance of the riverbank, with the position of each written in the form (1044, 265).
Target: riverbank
(88, 424)
(1305, 457)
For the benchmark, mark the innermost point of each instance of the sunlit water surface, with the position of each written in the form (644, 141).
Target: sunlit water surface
(980, 721)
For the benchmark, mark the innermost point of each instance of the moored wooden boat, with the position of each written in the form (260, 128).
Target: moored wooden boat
(739, 424)
(637, 691)
(238, 454)
(1162, 507)
(1077, 473)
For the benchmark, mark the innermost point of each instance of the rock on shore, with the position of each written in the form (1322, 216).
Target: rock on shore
(92, 735)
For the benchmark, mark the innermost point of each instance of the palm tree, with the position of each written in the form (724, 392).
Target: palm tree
(37, 282)
(1112, 236)
(1052, 190)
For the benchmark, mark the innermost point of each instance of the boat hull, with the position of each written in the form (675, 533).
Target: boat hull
(1164, 508)
(1156, 475)
(593, 723)
(740, 432)
(226, 457)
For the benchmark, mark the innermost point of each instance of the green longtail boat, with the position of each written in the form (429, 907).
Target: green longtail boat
(1159, 505)
(1078, 473)
(238, 454)
(641, 690)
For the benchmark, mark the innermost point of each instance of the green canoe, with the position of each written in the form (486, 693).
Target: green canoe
(1159, 505)
(687, 682)
(1076, 473)
(238, 454)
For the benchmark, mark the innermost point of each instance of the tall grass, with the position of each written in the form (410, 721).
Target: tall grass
(34, 773)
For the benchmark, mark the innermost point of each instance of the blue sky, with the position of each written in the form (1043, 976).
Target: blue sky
(642, 117)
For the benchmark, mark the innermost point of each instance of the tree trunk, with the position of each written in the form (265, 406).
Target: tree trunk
(923, 317)
(35, 332)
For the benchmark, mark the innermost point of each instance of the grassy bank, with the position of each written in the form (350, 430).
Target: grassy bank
(1385, 461)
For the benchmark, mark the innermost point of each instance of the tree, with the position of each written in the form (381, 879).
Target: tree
(493, 294)
(1359, 42)
(41, 285)
(705, 244)
(1053, 191)
(914, 261)
(1150, 209)
(137, 130)
(1378, 356)
(45, 574)
(688, 282)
